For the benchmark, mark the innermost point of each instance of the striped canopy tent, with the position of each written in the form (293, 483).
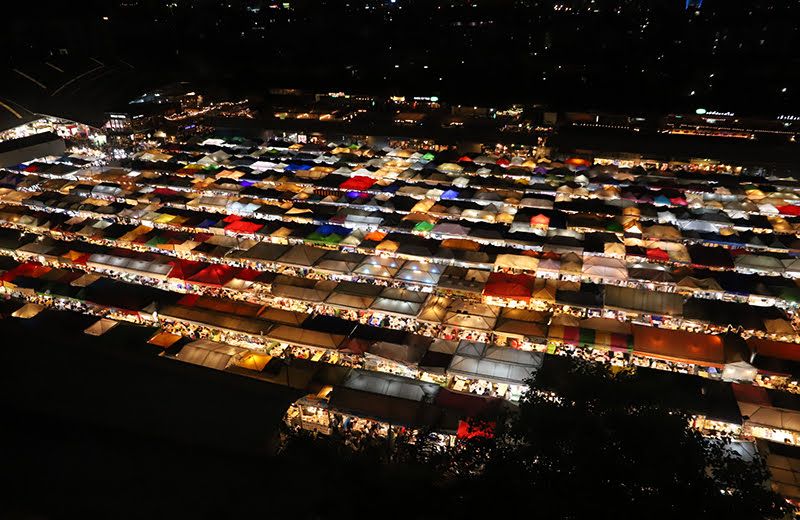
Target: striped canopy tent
(583, 337)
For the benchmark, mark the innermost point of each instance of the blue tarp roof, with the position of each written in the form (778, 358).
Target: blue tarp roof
(327, 229)
(296, 166)
(392, 188)
(206, 223)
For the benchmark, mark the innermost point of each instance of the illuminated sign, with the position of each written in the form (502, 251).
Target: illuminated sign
(702, 111)
(789, 118)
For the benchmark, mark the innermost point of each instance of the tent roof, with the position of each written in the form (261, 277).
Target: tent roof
(27, 311)
(100, 327)
(209, 354)
(678, 345)
(304, 337)
(390, 385)
(493, 363)
(666, 304)
(302, 255)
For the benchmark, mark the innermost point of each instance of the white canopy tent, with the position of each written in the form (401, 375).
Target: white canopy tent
(493, 363)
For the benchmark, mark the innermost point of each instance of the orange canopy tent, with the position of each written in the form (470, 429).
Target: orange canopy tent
(679, 345)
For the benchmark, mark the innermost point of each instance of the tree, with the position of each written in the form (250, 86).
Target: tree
(589, 442)
(585, 442)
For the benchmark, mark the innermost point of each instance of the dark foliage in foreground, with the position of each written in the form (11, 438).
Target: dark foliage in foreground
(602, 445)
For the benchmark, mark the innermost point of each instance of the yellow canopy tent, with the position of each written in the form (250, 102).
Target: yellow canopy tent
(253, 361)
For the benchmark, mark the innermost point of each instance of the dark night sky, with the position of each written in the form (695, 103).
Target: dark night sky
(623, 55)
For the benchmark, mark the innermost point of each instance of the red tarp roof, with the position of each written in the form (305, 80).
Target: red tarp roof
(509, 286)
(358, 183)
(29, 269)
(216, 275)
(81, 260)
(232, 218)
(657, 254)
(164, 191)
(540, 220)
(248, 274)
(183, 269)
(243, 226)
(189, 300)
(789, 209)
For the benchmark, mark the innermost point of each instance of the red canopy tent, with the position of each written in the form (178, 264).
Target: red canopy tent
(358, 183)
(509, 286)
(164, 191)
(81, 260)
(215, 275)
(189, 300)
(183, 269)
(789, 209)
(243, 226)
(248, 274)
(29, 269)
(540, 220)
(657, 253)
(232, 218)
(186, 170)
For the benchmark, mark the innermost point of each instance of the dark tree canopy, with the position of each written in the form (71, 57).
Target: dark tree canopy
(598, 441)
(586, 443)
